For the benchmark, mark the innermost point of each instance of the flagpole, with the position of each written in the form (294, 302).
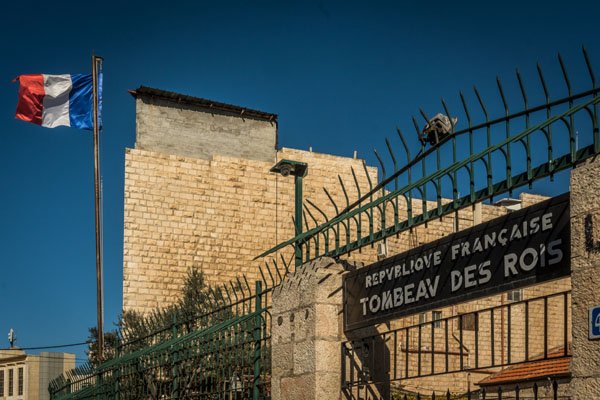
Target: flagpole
(99, 289)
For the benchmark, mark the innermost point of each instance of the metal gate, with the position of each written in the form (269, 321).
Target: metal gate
(531, 330)
(227, 359)
(475, 160)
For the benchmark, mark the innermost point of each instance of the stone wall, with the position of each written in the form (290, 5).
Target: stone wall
(215, 215)
(307, 332)
(198, 193)
(585, 266)
(294, 375)
(459, 382)
(218, 214)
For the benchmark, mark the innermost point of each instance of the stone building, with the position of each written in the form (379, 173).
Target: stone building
(26, 377)
(199, 194)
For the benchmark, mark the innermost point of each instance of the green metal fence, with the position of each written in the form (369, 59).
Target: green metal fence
(226, 359)
(476, 161)
(224, 354)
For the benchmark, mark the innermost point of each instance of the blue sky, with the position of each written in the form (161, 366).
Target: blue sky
(341, 76)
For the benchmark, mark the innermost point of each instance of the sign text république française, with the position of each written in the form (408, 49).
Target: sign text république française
(524, 247)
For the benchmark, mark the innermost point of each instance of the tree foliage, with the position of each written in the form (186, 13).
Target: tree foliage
(110, 345)
(137, 330)
(155, 358)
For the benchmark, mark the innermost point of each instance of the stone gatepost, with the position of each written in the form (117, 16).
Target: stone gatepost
(585, 265)
(307, 331)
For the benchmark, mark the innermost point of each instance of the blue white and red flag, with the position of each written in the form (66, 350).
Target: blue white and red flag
(58, 100)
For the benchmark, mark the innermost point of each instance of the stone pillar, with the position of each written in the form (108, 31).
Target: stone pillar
(477, 213)
(585, 265)
(307, 331)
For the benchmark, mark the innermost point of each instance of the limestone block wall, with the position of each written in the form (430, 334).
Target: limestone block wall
(535, 341)
(459, 382)
(216, 215)
(585, 266)
(306, 333)
(198, 193)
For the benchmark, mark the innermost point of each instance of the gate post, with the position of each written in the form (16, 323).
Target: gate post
(307, 333)
(585, 275)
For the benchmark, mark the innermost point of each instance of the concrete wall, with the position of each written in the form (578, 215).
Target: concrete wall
(169, 127)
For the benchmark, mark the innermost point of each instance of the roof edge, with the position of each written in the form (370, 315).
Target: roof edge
(559, 375)
(145, 91)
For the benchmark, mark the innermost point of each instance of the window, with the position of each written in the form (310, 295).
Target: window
(1, 383)
(20, 391)
(422, 318)
(10, 381)
(436, 317)
(515, 295)
(469, 322)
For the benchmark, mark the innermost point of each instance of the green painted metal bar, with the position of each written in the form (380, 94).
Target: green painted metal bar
(382, 214)
(527, 143)
(548, 133)
(199, 362)
(347, 226)
(336, 231)
(277, 270)
(422, 188)
(595, 110)
(257, 341)
(174, 366)
(488, 135)
(408, 159)
(470, 133)
(510, 183)
(298, 218)
(549, 105)
(506, 150)
(359, 221)
(370, 196)
(311, 215)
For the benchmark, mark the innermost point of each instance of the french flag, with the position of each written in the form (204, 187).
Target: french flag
(58, 100)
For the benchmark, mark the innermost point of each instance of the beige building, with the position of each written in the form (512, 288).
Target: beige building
(198, 193)
(26, 377)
